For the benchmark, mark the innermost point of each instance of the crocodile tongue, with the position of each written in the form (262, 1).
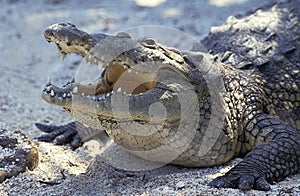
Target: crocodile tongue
(123, 79)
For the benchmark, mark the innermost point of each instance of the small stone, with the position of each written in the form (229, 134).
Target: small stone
(180, 185)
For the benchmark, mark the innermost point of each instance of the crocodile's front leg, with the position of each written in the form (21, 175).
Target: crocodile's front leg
(63, 134)
(73, 133)
(276, 155)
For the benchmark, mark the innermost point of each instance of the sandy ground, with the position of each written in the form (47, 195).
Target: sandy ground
(26, 62)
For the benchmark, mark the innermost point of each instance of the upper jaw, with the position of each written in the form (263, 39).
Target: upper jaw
(69, 39)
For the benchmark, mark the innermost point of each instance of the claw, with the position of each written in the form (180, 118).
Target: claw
(262, 184)
(46, 128)
(77, 142)
(60, 134)
(246, 182)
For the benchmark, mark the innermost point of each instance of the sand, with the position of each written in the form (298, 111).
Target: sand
(26, 62)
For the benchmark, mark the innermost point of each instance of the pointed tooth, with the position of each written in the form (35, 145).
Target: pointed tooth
(72, 80)
(48, 81)
(129, 70)
(107, 95)
(52, 93)
(64, 95)
(86, 59)
(100, 66)
(119, 90)
(68, 95)
(75, 90)
(63, 56)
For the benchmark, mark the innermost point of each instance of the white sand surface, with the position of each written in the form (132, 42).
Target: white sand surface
(26, 60)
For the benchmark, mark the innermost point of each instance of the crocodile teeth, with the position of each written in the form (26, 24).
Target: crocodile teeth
(75, 90)
(100, 66)
(119, 90)
(72, 80)
(129, 70)
(87, 58)
(63, 56)
(107, 95)
(64, 95)
(68, 95)
(48, 81)
(52, 93)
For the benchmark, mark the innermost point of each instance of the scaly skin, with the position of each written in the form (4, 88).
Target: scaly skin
(259, 102)
(267, 44)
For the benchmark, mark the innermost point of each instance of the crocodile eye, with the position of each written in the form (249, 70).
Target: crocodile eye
(123, 35)
(149, 42)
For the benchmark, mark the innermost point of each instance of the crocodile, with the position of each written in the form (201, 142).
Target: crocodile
(241, 98)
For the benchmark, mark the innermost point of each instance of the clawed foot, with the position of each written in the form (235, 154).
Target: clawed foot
(60, 134)
(235, 179)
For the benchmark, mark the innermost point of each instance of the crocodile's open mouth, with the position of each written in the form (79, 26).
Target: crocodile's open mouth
(115, 79)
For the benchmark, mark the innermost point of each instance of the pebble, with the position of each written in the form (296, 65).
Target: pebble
(166, 189)
(180, 185)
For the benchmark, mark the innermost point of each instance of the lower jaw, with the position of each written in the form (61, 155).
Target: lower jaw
(63, 96)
